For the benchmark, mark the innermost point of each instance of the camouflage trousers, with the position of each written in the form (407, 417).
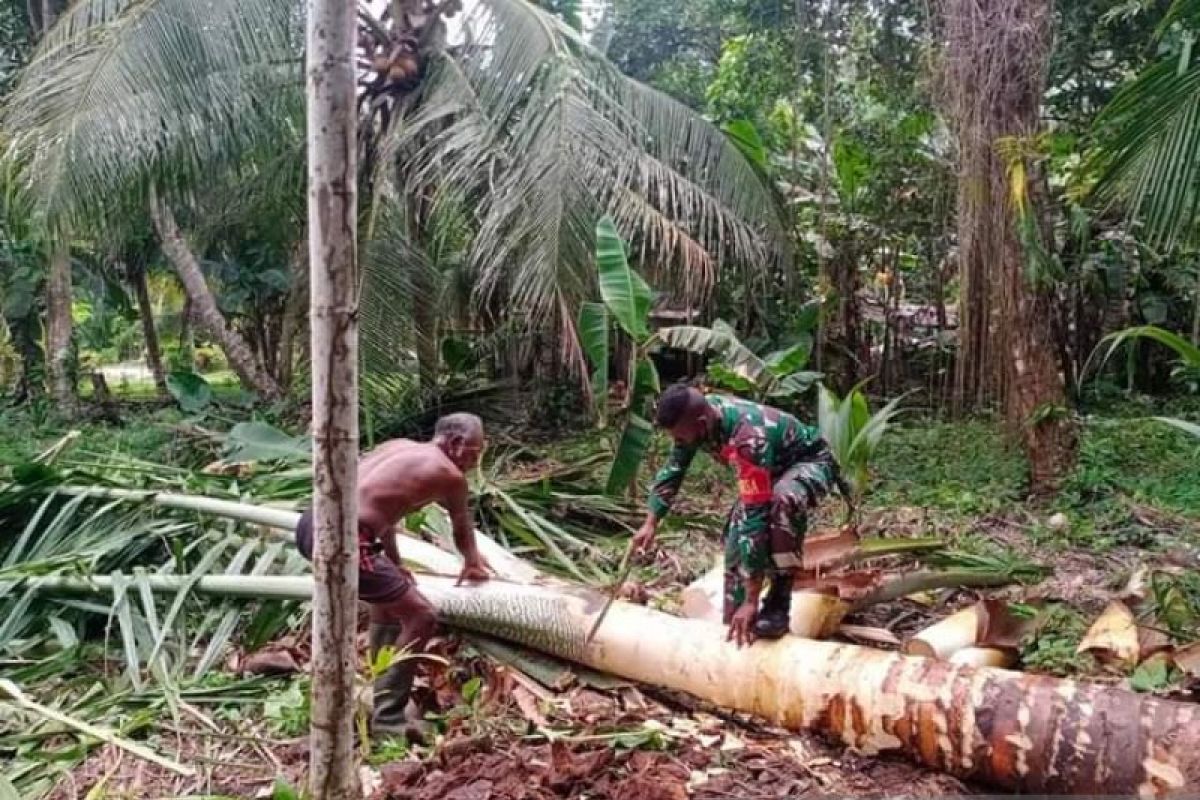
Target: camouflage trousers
(773, 547)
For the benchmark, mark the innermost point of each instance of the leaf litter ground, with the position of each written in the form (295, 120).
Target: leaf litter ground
(520, 741)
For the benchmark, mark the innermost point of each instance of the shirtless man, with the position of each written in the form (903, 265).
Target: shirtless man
(395, 479)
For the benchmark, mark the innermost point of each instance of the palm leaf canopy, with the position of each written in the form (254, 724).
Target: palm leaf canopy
(523, 122)
(1149, 137)
(123, 91)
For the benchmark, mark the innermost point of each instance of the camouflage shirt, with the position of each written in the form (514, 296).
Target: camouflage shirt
(758, 441)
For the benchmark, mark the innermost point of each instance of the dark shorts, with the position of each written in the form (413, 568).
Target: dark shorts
(379, 580)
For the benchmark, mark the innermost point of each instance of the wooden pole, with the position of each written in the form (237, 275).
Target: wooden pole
(332, 226)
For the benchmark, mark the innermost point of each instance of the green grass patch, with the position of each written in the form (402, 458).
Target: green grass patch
(1137, 459)
(960, 467)
(148, 434)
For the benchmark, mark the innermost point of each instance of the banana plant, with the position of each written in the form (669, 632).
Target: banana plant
(779, 374)
(626, 299)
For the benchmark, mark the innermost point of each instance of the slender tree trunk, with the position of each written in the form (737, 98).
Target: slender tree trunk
(843, 332)
(332, 226)
(295, 313)
(58, 328)
(25, 335)
(137, 275)
(204, 305)
(187, 344)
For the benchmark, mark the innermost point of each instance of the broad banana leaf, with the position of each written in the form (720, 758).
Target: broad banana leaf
(645, 384)
(722, 340)
(625, 293)
(593, 333)
(745, 137)
(791, 359)
(635, 441)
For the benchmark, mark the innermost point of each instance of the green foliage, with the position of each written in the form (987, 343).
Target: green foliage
(627, 298)
(743, 134)
(1175, 600)
(289, 710)
(752, 71)
(1154, 675)
(634, 443)
(594, 334)
(1189, 354)
(852, 431)
(282, 790)
(625, 293)
(258, 441)
(392, 748)
(1050, 648)
(1149, 142)
(471, 689)
(190, 390)
(1130, 461)
(776, 375)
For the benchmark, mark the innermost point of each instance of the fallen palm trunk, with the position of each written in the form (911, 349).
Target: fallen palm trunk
(412, 549)
(1011, 730)
(818, 603)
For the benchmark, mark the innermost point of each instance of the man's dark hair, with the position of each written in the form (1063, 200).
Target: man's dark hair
(673, 404)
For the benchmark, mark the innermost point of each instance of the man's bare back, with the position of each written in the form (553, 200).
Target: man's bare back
(402, 476)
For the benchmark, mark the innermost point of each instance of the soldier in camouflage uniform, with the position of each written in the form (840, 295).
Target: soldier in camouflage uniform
(783, 469)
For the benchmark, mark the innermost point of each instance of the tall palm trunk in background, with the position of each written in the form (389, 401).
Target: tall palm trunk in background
(333, 320)
(59, 324)
(59, 327)
(204, 306)
(995, 62)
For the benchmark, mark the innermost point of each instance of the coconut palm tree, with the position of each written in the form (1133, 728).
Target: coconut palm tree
(513, 117)
(1149, 135)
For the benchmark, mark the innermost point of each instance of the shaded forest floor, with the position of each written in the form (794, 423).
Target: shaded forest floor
(1134, 499)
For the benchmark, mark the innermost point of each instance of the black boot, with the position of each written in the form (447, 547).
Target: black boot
(774, 619)
(392, 713)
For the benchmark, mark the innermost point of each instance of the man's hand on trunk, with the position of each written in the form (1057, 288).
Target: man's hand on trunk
(741, 626)
(475, 569)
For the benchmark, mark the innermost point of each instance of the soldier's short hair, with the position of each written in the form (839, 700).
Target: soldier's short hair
(673, 404)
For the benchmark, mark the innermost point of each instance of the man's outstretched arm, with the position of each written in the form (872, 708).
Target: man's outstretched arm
(663, 491)
(457, 504)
